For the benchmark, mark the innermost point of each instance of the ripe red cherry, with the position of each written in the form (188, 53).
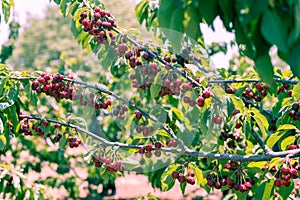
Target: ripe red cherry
(34, 85)
(108, 102)
(294, 173)
(291, 147)
(286, 183)
(149, 147)
(259, 87)
(148, 154)
(218, 120)
(167, 59)
(206, 94)
(200, 101)
(229, 182)
(238, 125)
(242, 188)
(138, 115)
(210, 183)
(57, 126)
(218, 185)
(248, 185)
(175, 175)
(141, 150)
(191, 173)
(157, 145)
(191, 180)
(181, 178)
(186, 99)
(266, 86)
(178, 82)
(285, 170)
(46, 123)
(278, 183)
(157, 153)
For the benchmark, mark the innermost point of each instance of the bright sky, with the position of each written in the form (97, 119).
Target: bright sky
(36, 8)
(23, 8)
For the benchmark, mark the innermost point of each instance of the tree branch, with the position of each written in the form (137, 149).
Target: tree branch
(189, 152)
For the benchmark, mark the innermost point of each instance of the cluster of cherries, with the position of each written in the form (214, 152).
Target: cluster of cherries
(27, 130)
(133, 57)
(144, 75)
(295, 112)
(171, 143)
(182, 178)
(99, 25)
(120, 49)
(213, 180)
(111, 167)
(171, 85)
(120, 111)
(261, 91)
(56, 86)
(232, 165)
(231, 139)
(285, 175)
(147, 150)
(285, 88)
(145, 130)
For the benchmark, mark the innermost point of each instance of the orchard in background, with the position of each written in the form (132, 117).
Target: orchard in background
(159, 108)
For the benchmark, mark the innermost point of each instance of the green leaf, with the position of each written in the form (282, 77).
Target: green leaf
(167, 181)
(296, 91)
(191, 22)
(285, 192)
(264, 191)
(264, 68)
(63, 7)
(154, 90)
(63, 142)
(286, 127)
(2, 142)
(57, 1)
(293, 59)
(130, 164)
(87, 156)
(273, 30)
(178, 113)
(287, 141)
(257, 164)
(198, 173)
(141, 11)
(6, 10)
(274, 138)
(261, 121)
(182, 187)
(238, 103)
(208, 10)
(275, 162)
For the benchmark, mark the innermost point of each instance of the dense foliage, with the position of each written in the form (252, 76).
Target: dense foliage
(159, 109)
